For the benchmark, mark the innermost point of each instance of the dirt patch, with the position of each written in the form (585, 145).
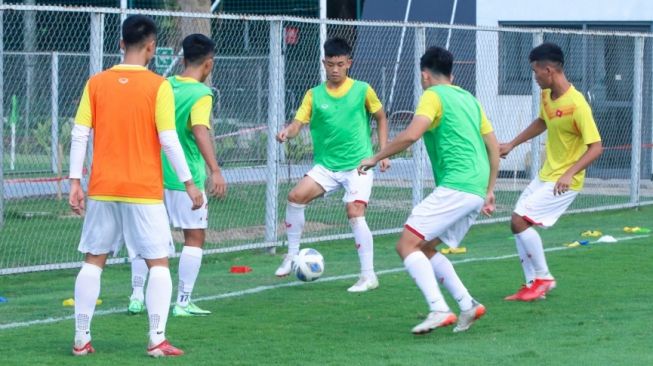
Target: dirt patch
(247, 233)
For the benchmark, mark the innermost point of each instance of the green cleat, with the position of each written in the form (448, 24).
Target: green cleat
(135, 307)
(189, 310)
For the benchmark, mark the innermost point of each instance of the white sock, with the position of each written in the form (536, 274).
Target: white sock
(87, 291)
(157, 298)
(294, 226)
(419, 268)
(535, 251)
(139, 275)
(526, 263)
(364, 244)
(190, 262)
(446, 274)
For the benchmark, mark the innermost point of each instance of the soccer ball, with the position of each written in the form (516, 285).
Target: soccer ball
(308, 265)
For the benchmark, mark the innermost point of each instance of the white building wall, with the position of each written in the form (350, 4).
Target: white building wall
(511, 114)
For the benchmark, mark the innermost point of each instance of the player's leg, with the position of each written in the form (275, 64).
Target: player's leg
(147, 234)
(358, 189)
(467, 207)
(419, 268)
(139, 275)
(101, 234)
(190, 262)
(316, 182)
(542, 208)
(194, 224)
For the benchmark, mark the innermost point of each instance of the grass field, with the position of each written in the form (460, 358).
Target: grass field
(600, 314)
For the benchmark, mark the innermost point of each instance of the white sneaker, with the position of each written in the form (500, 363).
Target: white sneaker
(285, 267)
(364, 284)
(468, 317)
(435, 319)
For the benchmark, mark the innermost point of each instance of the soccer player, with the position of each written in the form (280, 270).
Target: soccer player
(337, 113)
(130, 111)
(193, 102)
(573, 143)
(464, 154)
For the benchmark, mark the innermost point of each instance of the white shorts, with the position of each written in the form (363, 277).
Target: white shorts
(181, 213)
(143, 228)
(539, 206)
(358, 188)
(446, 214)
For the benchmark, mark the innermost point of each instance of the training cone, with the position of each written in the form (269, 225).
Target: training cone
(240, 269)
(71, 302)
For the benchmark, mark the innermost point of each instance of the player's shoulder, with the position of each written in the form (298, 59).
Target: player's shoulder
(577, 98)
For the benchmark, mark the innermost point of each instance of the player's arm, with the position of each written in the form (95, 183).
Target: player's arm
(374, 106)
(302, 118)
(492, 148)
(200, 116)
(165, 125)
(590, 135)
(419, 125)
(79, 141)
(534, 129)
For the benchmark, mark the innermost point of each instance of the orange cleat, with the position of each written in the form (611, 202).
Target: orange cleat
(164, 349)
(85, 350)
(538, 289)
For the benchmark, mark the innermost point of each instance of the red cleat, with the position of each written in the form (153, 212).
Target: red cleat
(164, 349)
(84, 350)
(538, 289)
(517, 296)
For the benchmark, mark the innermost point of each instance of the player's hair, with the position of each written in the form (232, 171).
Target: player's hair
(336, 46)
(547, 52)
(137, 29)
(197, 48)
(437, 60)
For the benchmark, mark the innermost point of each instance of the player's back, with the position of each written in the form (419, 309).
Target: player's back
(126, 157)
(455, 145)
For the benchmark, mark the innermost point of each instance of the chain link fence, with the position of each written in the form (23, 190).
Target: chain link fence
(263, 67)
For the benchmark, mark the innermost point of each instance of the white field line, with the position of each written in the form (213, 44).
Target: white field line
(259, 289)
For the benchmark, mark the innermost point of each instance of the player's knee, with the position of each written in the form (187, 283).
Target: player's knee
(518, 224)
(295, 197)
(355, 209)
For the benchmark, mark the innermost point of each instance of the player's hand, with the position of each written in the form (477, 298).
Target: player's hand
(505, 149)
(490, 205)
(384, 164)
(195, 195)
(282, 136)
(218, 186)
(76, 197)
(562, 185)
(365, 165)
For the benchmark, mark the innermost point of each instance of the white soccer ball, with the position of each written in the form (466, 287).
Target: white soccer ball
(308, 265)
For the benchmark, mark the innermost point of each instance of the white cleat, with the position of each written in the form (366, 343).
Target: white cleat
(364, 284)
(435, 319)
(468, 317)
(285, 267)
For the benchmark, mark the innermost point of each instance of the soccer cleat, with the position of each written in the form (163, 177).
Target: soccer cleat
(364, 284)
(517, 295)
(135, 307)
(164, 349)
(189, 310)
(435, 319)
(538, 289)
(468, 317)
(83, 351)
(285, 267)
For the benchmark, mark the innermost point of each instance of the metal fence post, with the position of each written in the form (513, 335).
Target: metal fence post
(2, 119)
(536, 142)
(96, 55)
(636, 149)
(54, 101)
(418, 148)
(276, 110)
